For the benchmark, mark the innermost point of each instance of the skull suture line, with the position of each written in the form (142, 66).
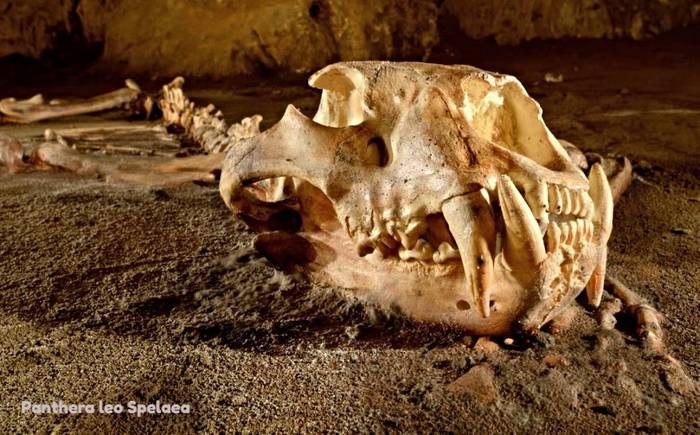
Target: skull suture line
(435, 189)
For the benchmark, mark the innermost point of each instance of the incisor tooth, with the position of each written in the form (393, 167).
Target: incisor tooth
(538, 200)
(553, 237)
(565, 233)
(589, 229)
(555, 199)
(576, 202)
(567, 200)
(471, 222)
(422, 251)
(524, 247)
(444, 253)
(579, 229)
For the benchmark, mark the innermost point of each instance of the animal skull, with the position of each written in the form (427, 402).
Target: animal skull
(435, 189)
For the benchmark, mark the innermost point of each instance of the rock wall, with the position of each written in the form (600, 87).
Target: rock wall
(511, 22)
(245, 36)
(228, 37)
(32, 27)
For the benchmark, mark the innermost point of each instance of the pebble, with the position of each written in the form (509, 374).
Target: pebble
(478, 383)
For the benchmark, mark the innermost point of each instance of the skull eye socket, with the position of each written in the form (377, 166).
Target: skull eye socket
(377, 152)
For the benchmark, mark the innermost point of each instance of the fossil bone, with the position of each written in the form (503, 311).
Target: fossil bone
(37, 109)
(435, 189)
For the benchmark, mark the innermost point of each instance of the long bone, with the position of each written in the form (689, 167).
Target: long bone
(36, 109)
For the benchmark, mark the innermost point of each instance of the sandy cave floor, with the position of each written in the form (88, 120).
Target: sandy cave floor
(121, 293)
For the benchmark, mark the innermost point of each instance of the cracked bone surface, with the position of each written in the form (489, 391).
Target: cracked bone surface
(434, 189)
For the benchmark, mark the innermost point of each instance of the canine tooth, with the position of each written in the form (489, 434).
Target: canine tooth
(445, 252)
(471, 222)
(422, 251)
(553, 237)
(538, 200)
(524, 246)
(602, 202)
(555, 200)
(594, 288)
(567, 200)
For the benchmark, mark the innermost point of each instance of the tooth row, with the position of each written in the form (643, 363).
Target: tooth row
(564, 201)
(389, 236)
(568, 233)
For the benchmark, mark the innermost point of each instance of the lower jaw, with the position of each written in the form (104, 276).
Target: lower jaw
(425, 292)
(431, 294)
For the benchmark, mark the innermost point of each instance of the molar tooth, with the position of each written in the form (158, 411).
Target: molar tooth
(416, 227)
(524, 247)
(407, 242)
(553, 237)
(444, 253)
(555, 200)
(422, 251)
(471, 222)
(538, 200)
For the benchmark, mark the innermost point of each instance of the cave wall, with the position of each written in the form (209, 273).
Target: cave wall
(511, 22)
(228, 37)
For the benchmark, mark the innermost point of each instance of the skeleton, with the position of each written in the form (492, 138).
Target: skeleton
(204, 127)
(434, 189)
(437, 190)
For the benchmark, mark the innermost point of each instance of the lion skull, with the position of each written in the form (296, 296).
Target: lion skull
(434, 189)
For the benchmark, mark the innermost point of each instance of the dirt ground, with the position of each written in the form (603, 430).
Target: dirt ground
(118, 293)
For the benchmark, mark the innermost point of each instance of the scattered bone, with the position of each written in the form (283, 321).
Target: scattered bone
(606, 313)
(35, 109)
(648, 319)
(576, 155)
(129, 169)
(11, 154)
